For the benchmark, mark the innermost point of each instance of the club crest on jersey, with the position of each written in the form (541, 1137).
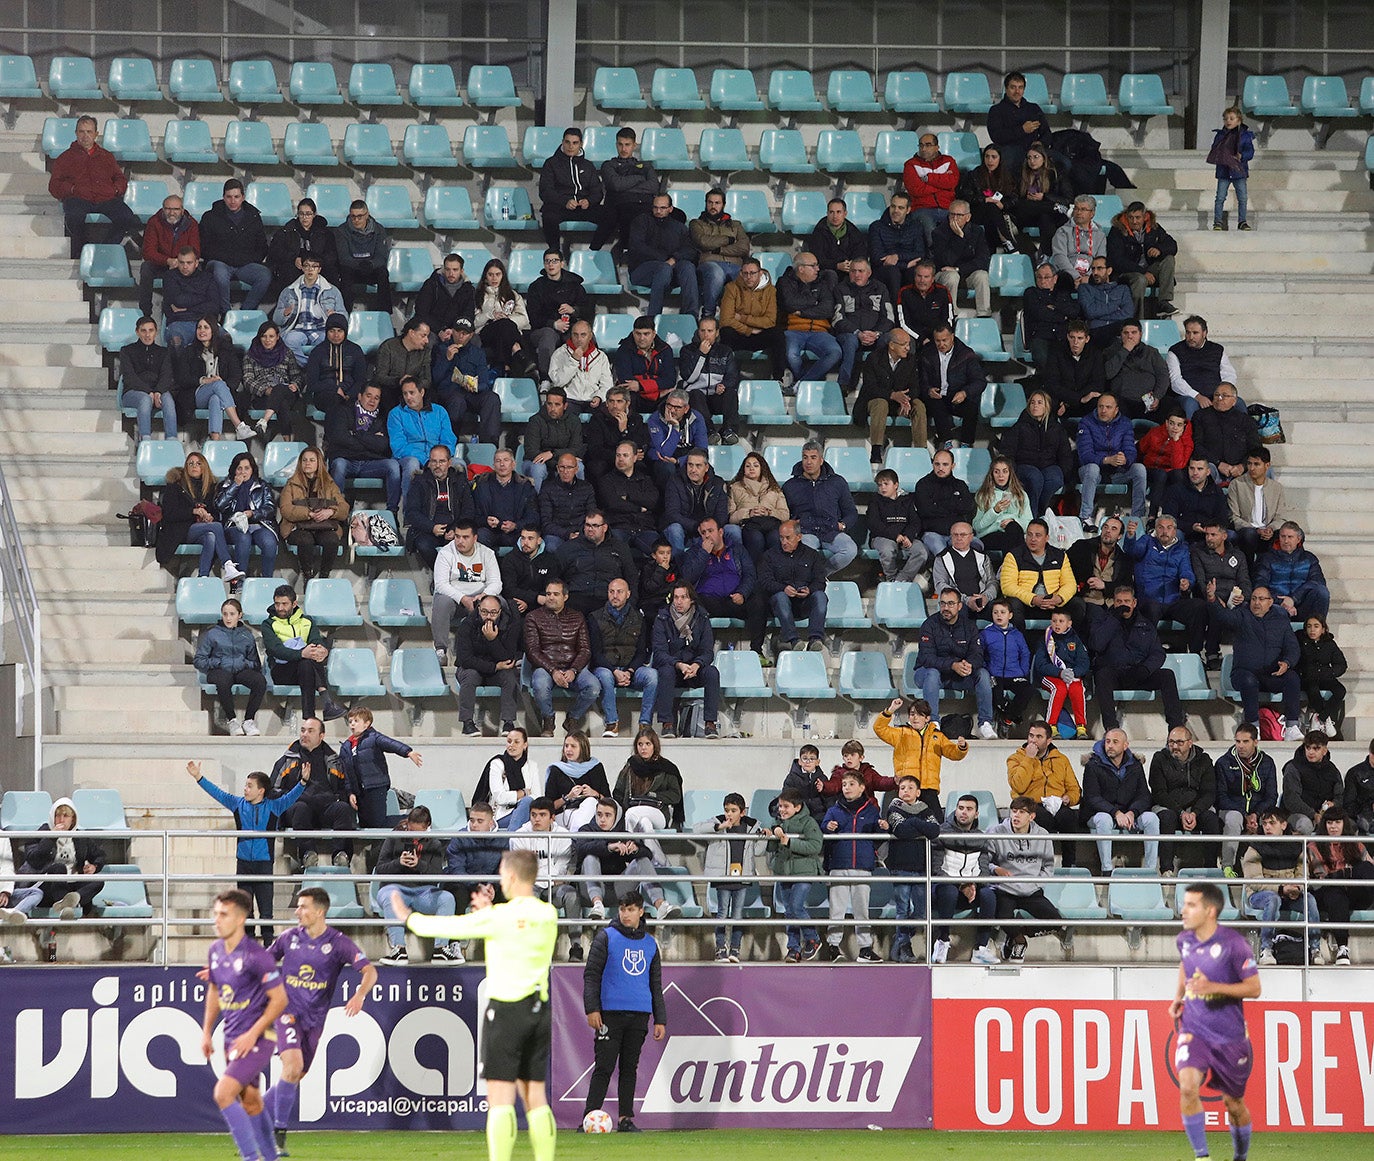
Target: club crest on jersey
(238, 964)
(327, 948)
(1216, 951)
(634, 962)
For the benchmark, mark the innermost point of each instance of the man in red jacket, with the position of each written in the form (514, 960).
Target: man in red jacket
(167, 232)
(87, 180)
(930, 178)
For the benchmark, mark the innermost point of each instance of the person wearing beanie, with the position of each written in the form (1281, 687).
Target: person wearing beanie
(337, 368)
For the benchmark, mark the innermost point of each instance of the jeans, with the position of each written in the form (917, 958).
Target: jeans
(389, 470)
(757, 541)
(659, 278)
(791, 900)
(593, 888)
(821, 344)
(676, 535)
(1219, 206)
(909, 902)
(849, 895)
(928, 220)
(300, 343)
(1042, 485)
(839, 551)
(409, 467)
(143, 402)
(789, 609)
(729, 905)
(849, 352)
(257, 277)
(241, 546)
(517, 817)
(670, 677)
(427, 900)
(212, 543)
(483, 406)
(898, 563)
(584, 689)
(25, 899)
(216, 396)
(1147, 822)
(1248, 684)
(1266, 906)
(645, 678)
(929, 680)
(949, 899)
(712, 277)
(180, 333)
(1091, 475)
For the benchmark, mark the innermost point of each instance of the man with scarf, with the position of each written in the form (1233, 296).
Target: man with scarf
(709, 368)
(337, 368)
(364, 247)
(356, 436)
(644, 364)
(620, 656)
(721, 245)
(581, 371)
(304, 307)
(684, 650)
(835, 241)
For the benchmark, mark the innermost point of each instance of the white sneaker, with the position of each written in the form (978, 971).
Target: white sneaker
(1328, 727)
(987, 954)
(250, 729)
(1342, 955)
(1266, 957)
(940, 952)
(244, 431)
(987, 731)
(235, 728)
(597, 910)
(13, 918)
(261, 426)
(1292, 733)
(231, 572)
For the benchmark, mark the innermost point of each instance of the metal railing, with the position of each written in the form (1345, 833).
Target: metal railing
(21, 611)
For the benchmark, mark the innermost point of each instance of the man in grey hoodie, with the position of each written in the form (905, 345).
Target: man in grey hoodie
(1023, 855)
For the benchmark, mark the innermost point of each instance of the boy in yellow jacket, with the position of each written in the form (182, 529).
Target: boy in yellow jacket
(919, 747)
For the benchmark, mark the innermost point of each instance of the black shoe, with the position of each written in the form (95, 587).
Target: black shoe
(876, 455)
(575, 953)
(1213, 662)
(333, 710)
(470, 729)
(811, 950)
(626, 1125)
(280, 1135)
(831, 953)
(1165, 309)
(506, 727)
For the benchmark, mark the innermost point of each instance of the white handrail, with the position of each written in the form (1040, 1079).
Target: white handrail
(23, 611)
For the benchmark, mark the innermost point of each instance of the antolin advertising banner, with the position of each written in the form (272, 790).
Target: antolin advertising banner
(100, 1050)
(765, 1047)
(1108, 1064)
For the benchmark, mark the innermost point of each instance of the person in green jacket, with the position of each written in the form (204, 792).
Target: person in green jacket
(796, 850)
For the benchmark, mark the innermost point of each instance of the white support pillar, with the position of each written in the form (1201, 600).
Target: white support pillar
(1210, 68)
(560, 54)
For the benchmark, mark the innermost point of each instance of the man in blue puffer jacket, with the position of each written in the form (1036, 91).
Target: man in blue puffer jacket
(1164, 578)
(363, 757)
(850, 864)
(820, 501)
(1265, 656)
(1293, 576)
(1106, 452)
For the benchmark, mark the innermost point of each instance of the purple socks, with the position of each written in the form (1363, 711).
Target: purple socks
(1196, 1128)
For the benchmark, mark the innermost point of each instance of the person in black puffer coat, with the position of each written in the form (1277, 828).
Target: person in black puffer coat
(1039, 447)
(1320, 664)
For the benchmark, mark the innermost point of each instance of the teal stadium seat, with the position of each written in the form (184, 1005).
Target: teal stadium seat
(597, 270)
(726, 459)
(1108, 207)
(308, 145)
(840, 151)
(449, 207)
(801, 677)
(1002, 404)
(193, 81)
(1326, 97)
(475, 259)
(774, 262)
(188, 143)
(492, 87)
(910, 464)
(116, 327)
(18, 78)
(343, 894)
(1128, 897)
(820, 403)
(1071, 890)
(971, 464)
(508, 208)
(242, 326)
(368, 147)
(391, 205)
(353, 672)
(199, 597)
(1011, 274)
(128, 139)
(58, 135)
(397, 550)
(370, 328)
(121, 895)
(72, 78)
(781, 458)
(525, 265)
(145, 198)
(446, 807)
(735, 91)
(802, 209)
(666, 149)
(723, 151)
(1085, 95)
(314, 82)
(598, 143)
(679, 892)
(408, 267)
(1038, 90)
(254, 82)
(279, 460)
(1161, 333)
(967, 93)
(1142, 95)
(394, 602)
(761, 402)
(893, 149)
(675, 90)
(487, 147)
(539, 144)
(1367, 96)
(963, 147)
(257, 593)
(432, 86)
(1190, 676)
(617, 88)
(793, 91)
(99, 809)
(519, 399)
(851, 91)
(332, 199)
(750, 208)
(415, 673)
(677, 330)
(700, 806)
(220, 453)
(865, 676)
(373, 84)
(329, 601)
(1267, 96)
(987, 806)
(105, 265)
(784, 151)
(273, 201)
(846, 608)
(909, 92)
(609, 329)
(25, 809)
(899, 605)
(428, 147)
(1187, 875)
(984, 336)
(865, 207)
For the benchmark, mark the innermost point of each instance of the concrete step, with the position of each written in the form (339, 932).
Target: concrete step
(77, 387)
(1228, 315)
(81, 419)
(114, 651)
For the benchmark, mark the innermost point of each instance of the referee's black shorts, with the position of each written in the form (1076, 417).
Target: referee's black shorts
(516, 1039)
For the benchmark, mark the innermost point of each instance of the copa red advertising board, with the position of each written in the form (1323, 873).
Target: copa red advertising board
(1109, 1064)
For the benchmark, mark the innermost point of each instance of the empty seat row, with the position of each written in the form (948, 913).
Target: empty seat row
(194, 81)
(1320, 97)
(30, 809)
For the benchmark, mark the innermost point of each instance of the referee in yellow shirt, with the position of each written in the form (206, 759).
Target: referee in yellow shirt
(520, 936)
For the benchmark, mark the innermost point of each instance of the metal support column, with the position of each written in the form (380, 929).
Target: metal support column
(560, 54)
(1213, 57)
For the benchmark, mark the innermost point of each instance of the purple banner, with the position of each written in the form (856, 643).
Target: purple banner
(766, 1047)
(104, 1050)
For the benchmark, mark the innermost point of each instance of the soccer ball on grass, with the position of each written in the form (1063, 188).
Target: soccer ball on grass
(598, 1121)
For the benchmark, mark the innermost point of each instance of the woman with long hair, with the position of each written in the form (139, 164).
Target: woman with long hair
(991, 189)
(1001, 508)
(273, 379)
(509, 783)
(248, 511)
(649, 789)
(226, 656)
(757, 505)
(1346, 871)
(314, 514)
(1321, 664)
(208, 370)
(1039, 447)
(575, 781)
(189, 516)
(1038, 193)
(503, 322)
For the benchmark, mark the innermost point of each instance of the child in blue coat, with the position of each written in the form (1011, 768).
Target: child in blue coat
(1060, 665)
(1233, 148)
(850, 864)
(1009, 665)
